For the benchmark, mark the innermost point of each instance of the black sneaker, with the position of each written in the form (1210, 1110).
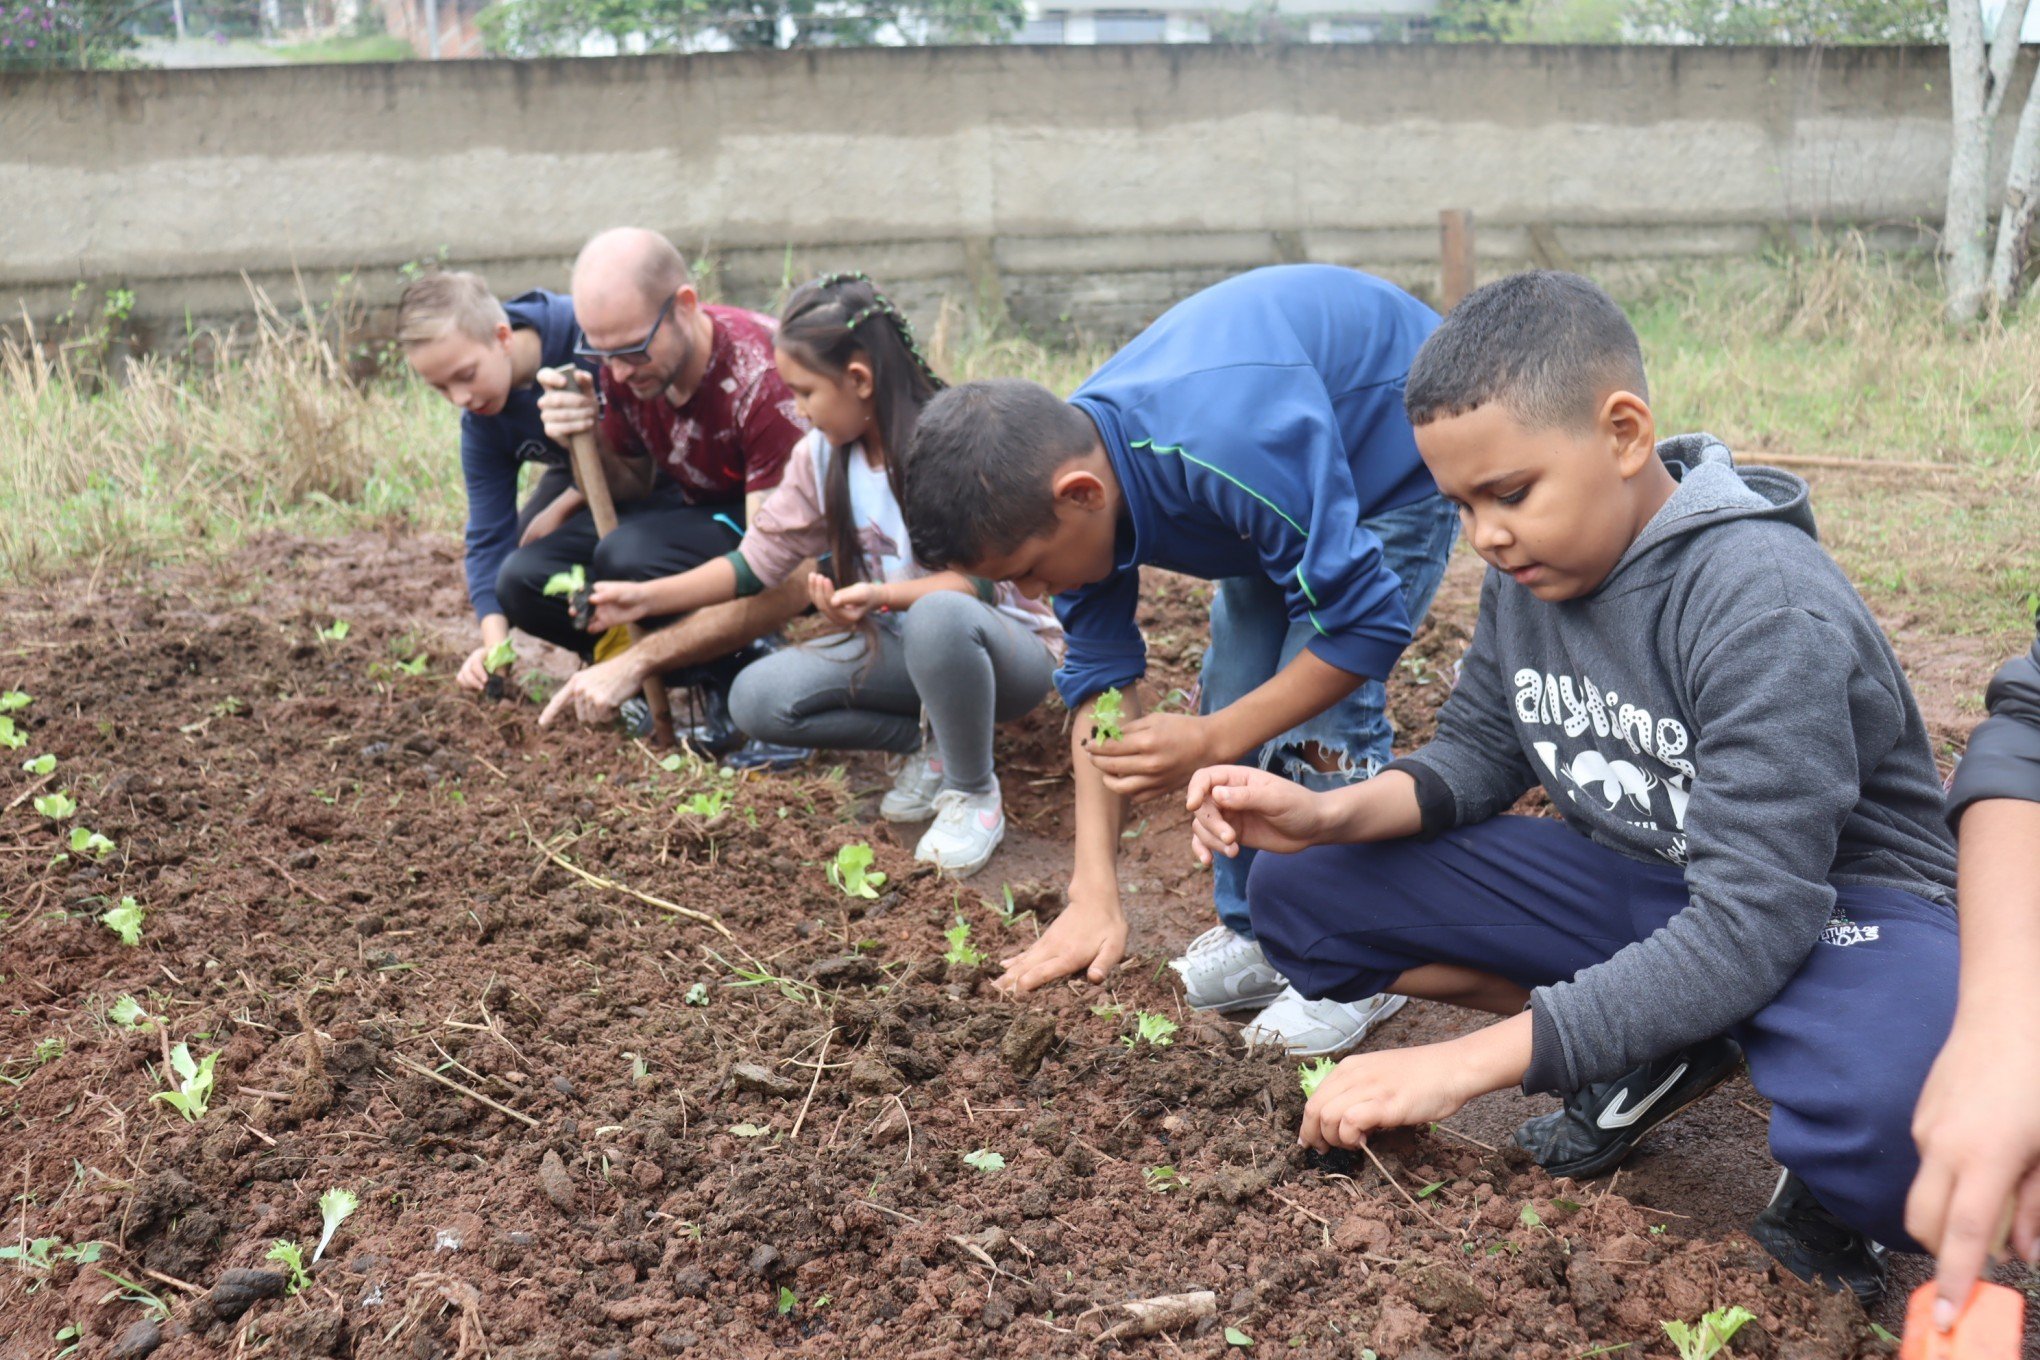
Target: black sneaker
(1601, 1123)
(1818, 1247)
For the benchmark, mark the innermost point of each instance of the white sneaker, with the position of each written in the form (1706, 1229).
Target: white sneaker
(1314, 1029)
(912, 796)
(1225, 971)
(968, 828)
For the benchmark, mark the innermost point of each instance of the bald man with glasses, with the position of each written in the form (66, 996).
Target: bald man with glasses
(694, 426)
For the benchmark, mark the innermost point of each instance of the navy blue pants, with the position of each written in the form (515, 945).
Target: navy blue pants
(1841, 1052)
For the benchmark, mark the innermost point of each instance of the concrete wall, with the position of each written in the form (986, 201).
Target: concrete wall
(1084, 186)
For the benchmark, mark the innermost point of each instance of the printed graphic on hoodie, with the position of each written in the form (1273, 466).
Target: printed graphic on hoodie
(1648, 780)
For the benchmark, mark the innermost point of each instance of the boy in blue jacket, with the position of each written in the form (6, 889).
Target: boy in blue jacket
(1749, 860)
(1253, 435)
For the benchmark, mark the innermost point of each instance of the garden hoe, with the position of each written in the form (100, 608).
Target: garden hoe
(595, 486)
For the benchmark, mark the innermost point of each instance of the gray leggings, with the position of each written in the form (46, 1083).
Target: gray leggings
(966, 663)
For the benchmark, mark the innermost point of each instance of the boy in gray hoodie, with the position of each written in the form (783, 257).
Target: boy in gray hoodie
(1750, 857)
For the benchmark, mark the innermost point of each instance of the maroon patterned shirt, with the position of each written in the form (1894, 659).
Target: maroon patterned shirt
(733, 435)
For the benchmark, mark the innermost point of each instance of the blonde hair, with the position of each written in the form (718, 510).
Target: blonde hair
(437, 303)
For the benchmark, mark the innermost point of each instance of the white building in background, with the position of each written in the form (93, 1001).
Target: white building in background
(1086, 22)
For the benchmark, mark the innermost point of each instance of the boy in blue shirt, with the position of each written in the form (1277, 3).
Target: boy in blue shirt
(1749, 860)
(1253, 435)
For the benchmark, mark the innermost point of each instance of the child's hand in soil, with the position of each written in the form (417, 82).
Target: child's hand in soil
(616, 602)
(1234, 805)
(1089, 937)
(593, 693)
(1156, 753)
(854, 602)
(1400, 1087)
(474, 672)
(566, 411)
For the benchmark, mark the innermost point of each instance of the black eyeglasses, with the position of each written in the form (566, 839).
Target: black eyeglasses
(629, 354)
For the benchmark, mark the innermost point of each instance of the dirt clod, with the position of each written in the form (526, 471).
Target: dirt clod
(763, 1081)
(239, 1290)
(137, 1341)
(558, 1187)
(1027, 1043)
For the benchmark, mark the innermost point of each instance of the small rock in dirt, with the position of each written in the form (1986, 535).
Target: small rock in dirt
(137, 1340)
(1355, 1233)
(998, 1313)
(240, 1290)
(309, 1334)
(304, 859)
(1593, 1288)
(369, 925)
(690, 1282)
(553, 1179)
(912, 1065)
(1027, 1043)
(845, 970)
(763, 1081)
(375, 750)
(764, 1260)
(564, 1087)
(648, 1175)
(675, 1342)
(1444, 1290)
(890, 1127)
(872, 1076)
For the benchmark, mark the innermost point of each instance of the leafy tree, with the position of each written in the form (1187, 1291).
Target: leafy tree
(68, 35)
(1793, 22)
(557, 27)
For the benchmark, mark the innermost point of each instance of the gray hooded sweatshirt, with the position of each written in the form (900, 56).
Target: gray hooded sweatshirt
(1723, 702)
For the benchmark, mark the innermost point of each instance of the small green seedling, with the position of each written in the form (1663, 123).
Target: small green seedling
(851, 871)
(416, 665)
(1235, 1337)
(9, 737)
(1530, 1218)
(961, 951)
(1105, 716)
(749, 1130)
(1162, 1179)
(334, 1207)
(1156, 1031)
(697, 995)
(707, 806)
(1709, 1337)
(85, 841)
(41, 764)
(500, 657)
(985, 1160)
(788, 1301)
(42, 1253)
(289, 1255)
(14, 699)
(125, 921)
(58, 806)
(336, 631)
(572, 581)
(151, 1302)
(194, 1087)
(1433, 1188)
(1312, 1075)
(128, 1014)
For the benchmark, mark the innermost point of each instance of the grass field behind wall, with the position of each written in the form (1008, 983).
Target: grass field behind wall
(1835, 352)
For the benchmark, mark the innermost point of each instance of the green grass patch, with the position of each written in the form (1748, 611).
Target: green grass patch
(332, 51)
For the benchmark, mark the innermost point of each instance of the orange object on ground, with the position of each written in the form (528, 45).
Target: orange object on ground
(1992, 1326)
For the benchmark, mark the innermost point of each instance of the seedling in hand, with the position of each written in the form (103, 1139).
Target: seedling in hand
(961, 951)
(1312, 1075)
(41, 764)
(985, 1160)
(289, 1255)
(851, 872)
(58, 806)
(1157, 1031)
(1105, 716)
(125, 921)
(194, 1087)
(497, 664)
(1709, 1337)
(334, 1207)
(573, 583)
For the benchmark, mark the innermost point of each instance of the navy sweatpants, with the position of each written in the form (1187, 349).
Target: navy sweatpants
(1841, 1052)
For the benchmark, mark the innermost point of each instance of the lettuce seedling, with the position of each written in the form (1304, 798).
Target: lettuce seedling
(14, 699)
(125, 921)
(334, 1207)
(788, 1301)
(1105, 716)
(416, 665)
(85, 841)
(961, 950)
(1162, 1179)
(128, 1014)
(1157, 1031)
(336, 631)
(41, 764)
(500, 657)
(10, 738)
(1709, 1337)
(1312, 1074)
(58, 807)
(570, 582)
(288, 1254)
(985, 1160)
(707, 805)
(697, 995)
(851, 871)
(194, 1088)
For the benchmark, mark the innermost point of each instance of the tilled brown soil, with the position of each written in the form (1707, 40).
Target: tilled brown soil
(737, 1132)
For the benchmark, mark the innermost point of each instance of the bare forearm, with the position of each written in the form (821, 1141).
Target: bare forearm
(1999, 878)
(713, 582)
(495, 627)
(1298, 692)
(1383, 808)
(1100, 812)
(720, 629)
(902, 594)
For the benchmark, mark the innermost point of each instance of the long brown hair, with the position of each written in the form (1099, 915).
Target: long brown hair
(827, 325)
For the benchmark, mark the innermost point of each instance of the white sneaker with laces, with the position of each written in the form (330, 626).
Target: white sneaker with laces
(968, 828)
(1315, 1029)
(912, 796)
(1225, 971)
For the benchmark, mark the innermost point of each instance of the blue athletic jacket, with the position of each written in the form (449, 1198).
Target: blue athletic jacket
(1252, 428)
(494, 448)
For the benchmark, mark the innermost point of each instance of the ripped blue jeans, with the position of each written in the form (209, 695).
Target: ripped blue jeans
(1252, 638)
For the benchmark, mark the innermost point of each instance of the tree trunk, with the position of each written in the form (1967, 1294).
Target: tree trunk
(1963, 228)
(2022, 203)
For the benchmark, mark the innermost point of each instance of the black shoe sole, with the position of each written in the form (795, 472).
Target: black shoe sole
(1614, 1154)
(1865, 1276)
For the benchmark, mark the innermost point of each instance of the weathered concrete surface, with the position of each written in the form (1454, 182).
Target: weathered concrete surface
(1088, 184)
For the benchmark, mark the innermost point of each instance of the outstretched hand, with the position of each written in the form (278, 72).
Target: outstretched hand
(616, 602)
(1089, 938)
(1235, 805)
(594, 693)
